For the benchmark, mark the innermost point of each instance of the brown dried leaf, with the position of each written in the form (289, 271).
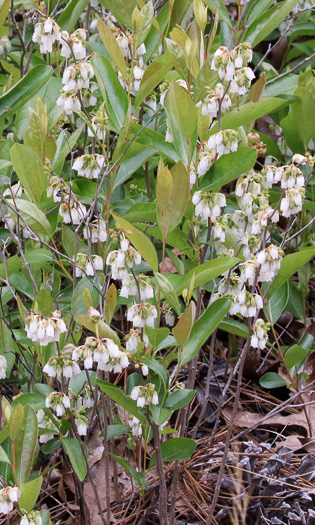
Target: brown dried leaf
(168, 266)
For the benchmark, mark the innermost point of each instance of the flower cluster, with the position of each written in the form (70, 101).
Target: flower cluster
(3, 367)
(259, 336)
(60, 365)
(215, 98)
(32, 518)
(145, 395)
(104, 352)
(77, 76)
(232, 66)
(72, 211)
(270, 260)
(89, 166)
(208, 205)
(142, 285)
(206, 159)
(88, 265)
(136, 427)
(46, 33)
(8, 496)
(142, 314)
(96, 231)
(292, 203)
(246, 304)
(45, 423)
(45, 330)
(59, 402)
(133, 339)
(121, 259)
(226, 141)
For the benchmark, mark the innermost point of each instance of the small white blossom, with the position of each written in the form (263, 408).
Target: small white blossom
(46, 32)
(8, 496)
(226, 141)
(96, 231)
(3, 367)
(145, 395)
(45, 330)
(60, 365)
(136, 427)
(259, 337)
(208, 205)
(133, 339)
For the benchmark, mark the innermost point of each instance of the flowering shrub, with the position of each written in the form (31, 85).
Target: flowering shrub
(143, 213)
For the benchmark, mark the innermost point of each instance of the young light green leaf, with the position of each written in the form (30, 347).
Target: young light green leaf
(203, 328)
(184, 326)
(159, 369)
(121, 10)
(175, 449)
(172, 194)
(29, 493)
(168, 291)
(110, 303)
(178, 57)
(146, 16)
(140, 241)
(73, 450)
(117, 395)
(183, 108)
(112, 46)
(30, 170)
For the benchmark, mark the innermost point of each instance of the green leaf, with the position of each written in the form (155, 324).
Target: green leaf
(112, 46)
(114, 431)
(289, 266)
(140, 241)
(121, 10)
(277, 303)
(117, 395)
(29, 493)
(203, 328)
(272, 380)
(229, 167)
(103, 329)
(5, 6)
(3, 457)
(233, 327)
(156, 335)
(184, 326)
(77, 304)
(179, 399)
(45, 302)
(137, 476)
(177, 57)
(206, 272)
(146, 16)
(71, 14)
(175, 449)
(16, 419)
(214, 5)
(296, 302)
(249, 112)
(34, 217)
(172, 193)
(13, 264)
(131, 165)
(69, 241)
(25, 89)
(159, 369)
(73, 450)
(184, 109)
(294, 355)
(110, 303)
(153, 75)
(267, 22)
(25, 444)
(63, 148)
(168, 291)
(36, 401)
(298, 125)
(113, 93)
